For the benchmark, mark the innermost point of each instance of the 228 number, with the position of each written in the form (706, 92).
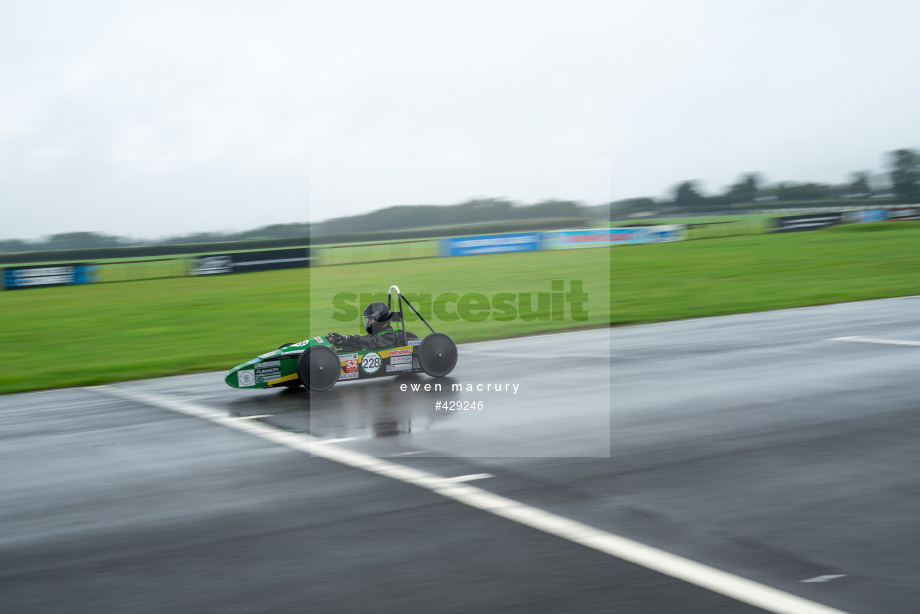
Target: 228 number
(370, 363)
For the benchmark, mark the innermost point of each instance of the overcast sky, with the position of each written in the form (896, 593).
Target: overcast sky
(150, 119)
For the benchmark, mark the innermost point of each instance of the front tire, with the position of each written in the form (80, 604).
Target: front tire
(319, 367)
(437, 355)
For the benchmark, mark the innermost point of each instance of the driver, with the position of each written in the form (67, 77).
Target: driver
(380, 334)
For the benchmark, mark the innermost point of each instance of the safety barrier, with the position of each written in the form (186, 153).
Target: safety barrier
(815, 221)
(249, 262)
(45, 275)
(577, 238)
(38, 276)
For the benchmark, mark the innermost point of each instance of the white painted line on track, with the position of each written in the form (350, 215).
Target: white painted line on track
(872, 340)
(824, 578)
(337, 440)
(254, 417)
(540, 336)
(724, 583)
(470, 477)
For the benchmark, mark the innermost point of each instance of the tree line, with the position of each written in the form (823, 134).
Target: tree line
(383, 222)
(899, 184)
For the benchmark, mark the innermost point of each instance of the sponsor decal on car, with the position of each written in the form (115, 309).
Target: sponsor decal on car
(415, 341)
(371, 362)
(246, 377)
(344, 357)
(348, 376)
(267, 371)
(397, 360)
(351, 366)
(400, 352)
(401, 367)
(320, 339)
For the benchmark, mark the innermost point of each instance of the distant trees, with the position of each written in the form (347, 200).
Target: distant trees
(901, 181)
(75, 240)
(14, 245)
(687, 196)
(632, 206)
(859, 184)
(905, 173)
(554, 208)
(745, 191)
(468, 212)
(790, 190)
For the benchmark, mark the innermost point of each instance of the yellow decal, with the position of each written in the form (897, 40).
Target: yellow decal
(286, 378)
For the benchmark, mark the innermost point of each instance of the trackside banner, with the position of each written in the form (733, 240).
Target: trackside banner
(491, 244)
(666, 233)
(861, 217)
(15, 278)
(792, 223)
(244, 262)
(603, 237)
(904, 213)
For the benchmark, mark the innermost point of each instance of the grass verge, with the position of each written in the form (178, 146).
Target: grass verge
(100, 333)
(54, 337)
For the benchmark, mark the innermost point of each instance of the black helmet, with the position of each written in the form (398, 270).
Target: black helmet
(378, 312)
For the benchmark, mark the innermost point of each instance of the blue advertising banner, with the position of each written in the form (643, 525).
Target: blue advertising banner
(16, 278)
(592, 237)
(861, 217)
(605, 237)
(666, 233)
(491, 244)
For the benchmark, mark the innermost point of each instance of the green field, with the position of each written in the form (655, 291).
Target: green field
(109, 332)
(131, 270)
(652, 283)
(712, 227)
(371, 252)
(76, 335)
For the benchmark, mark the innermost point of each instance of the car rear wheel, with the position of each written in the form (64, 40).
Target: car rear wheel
(319, 367)
(437, 354)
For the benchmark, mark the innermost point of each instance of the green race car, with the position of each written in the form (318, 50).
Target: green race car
(318, 364)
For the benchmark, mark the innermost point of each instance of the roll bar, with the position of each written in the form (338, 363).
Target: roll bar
(399, 300)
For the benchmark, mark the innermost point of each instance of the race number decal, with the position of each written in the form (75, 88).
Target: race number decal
(371, 362)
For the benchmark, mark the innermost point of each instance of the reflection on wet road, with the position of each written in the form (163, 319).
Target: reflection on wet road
(545, 396)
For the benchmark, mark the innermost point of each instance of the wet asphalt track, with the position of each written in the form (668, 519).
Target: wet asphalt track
(757, 444)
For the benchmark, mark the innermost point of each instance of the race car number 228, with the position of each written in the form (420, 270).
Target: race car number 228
(371, 362)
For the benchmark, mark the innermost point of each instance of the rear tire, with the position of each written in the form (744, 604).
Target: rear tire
(319, 367)
(437, 355)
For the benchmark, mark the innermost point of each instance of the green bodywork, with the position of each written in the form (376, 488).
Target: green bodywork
(278, 368)
(275, 368)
